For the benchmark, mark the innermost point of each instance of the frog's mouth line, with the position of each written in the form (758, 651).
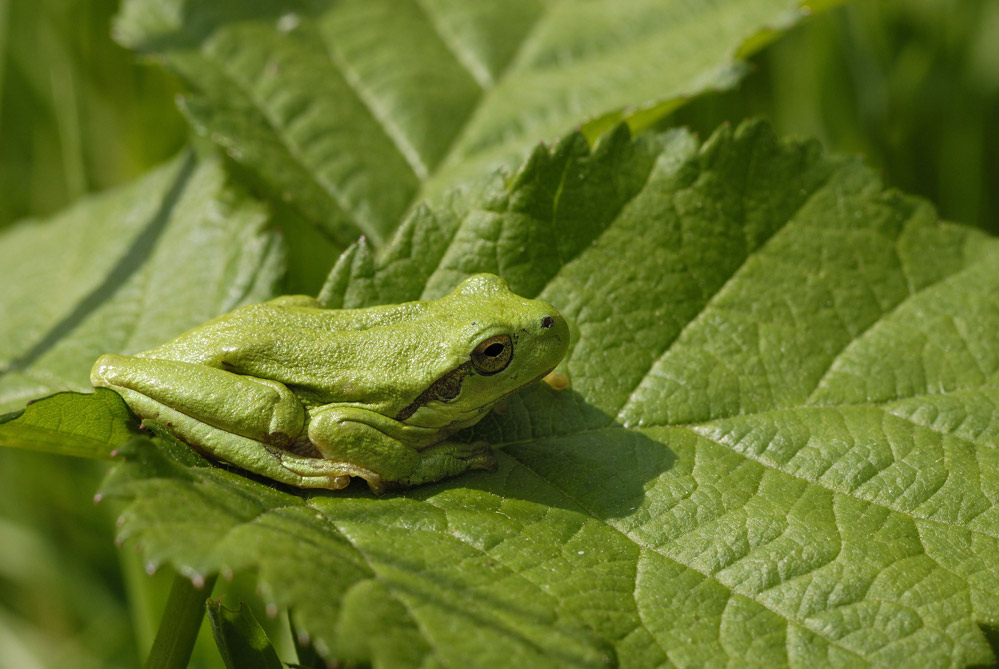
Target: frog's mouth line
(444, 389)
(472, 416)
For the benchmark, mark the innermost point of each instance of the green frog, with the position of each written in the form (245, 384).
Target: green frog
(312, 397)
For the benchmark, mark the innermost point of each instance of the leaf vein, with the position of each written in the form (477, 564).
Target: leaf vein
(392, 130)
(894, 309)
(465, 58)
(719, 291)
(763, 462)
(291, 147)
(640, 546)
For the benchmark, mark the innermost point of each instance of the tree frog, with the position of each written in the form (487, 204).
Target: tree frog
(311, 397)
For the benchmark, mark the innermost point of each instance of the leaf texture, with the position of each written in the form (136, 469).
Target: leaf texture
(125, 271)
(778, 447)
(354, 110)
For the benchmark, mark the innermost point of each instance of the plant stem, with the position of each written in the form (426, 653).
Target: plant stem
(180, 624)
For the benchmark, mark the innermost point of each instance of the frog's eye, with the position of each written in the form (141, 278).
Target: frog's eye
(492, 355)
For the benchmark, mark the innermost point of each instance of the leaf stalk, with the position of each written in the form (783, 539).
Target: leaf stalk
(180, 624)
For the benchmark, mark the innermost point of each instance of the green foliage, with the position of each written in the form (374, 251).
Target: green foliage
(912, 85)
(87, 426)
(778, 445)
(78, 114)
(126, 270)
(778, 441)
(306, 97)
(182, 619)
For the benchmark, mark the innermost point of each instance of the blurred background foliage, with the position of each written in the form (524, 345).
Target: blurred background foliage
(913, 85)
(77, 112)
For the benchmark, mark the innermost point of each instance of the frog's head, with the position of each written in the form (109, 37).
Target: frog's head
(517, 340)
(499, 343)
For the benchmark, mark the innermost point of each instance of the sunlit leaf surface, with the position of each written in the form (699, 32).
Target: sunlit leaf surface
(779, 444)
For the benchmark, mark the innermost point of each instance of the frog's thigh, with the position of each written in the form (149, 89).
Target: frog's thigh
(259, 409)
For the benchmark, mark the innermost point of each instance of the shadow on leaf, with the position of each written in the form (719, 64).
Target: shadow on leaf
(557, 450)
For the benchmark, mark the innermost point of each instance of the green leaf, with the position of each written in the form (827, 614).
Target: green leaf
(88, 426)
(779, 446)
(241, 640)
(354, 110)
(124, 271)
(308, 658)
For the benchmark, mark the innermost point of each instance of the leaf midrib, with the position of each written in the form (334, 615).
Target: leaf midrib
(484, 93)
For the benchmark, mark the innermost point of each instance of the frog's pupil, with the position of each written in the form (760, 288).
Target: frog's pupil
(493, 350)
(547, 322)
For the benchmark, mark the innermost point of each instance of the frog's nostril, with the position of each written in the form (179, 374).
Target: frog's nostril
(547, 322)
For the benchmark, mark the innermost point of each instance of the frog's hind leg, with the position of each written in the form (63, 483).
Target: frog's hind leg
(240, 419)
(259, 409)
(376, 443)
(308, 472)
(257, 457)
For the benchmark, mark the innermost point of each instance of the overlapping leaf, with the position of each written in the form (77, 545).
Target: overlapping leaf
(352, 110)
(125, 271)
(779, 444)
(86, 426)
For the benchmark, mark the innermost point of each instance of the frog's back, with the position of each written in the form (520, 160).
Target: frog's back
(289, 340)
(305, 312)
(284, 315)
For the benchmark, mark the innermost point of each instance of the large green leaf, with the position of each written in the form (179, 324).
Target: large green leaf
(87, 426)
(124, 271)
(779, 444)
(353, 110)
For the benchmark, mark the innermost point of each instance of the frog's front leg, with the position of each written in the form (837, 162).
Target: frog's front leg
(393, 453)
(240, 419)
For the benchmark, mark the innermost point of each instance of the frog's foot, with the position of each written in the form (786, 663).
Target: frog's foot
(450, 459)
(309, 472)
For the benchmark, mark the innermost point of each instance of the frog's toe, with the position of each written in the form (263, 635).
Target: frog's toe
(482, 457)
(321, 481)
(338, 482)
(306, 472)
